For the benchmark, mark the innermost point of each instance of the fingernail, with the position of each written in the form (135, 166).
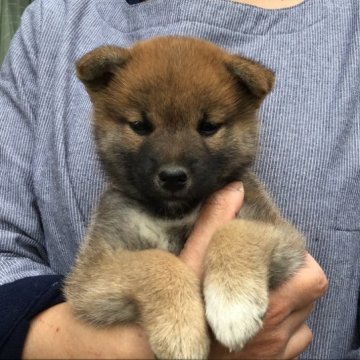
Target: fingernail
(237, 185)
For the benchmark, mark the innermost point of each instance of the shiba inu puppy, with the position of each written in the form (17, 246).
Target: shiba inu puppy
(174, 120)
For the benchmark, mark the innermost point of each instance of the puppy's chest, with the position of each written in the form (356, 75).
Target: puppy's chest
(148, 232)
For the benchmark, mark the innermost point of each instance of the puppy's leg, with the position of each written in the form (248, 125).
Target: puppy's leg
(152, 287)
(244, 260)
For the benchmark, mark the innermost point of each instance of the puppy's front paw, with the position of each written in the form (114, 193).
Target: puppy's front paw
(234, 318)
(180, 340)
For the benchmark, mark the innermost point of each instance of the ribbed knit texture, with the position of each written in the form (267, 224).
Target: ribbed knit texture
(309, 158)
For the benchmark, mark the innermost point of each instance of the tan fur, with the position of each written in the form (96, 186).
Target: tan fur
(143, 282)
(125, 271)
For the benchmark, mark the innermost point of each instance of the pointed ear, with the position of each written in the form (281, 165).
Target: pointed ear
(256, 78)
(98, 67)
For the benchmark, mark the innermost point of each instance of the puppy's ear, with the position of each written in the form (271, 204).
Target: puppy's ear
(256, 78)
(97, 68)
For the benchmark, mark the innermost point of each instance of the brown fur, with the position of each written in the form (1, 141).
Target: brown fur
(177, 89)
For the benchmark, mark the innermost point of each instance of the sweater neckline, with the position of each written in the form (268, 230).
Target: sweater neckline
(224, 14)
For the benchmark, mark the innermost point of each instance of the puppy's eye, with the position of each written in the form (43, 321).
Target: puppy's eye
(208, 128)
(141, 127)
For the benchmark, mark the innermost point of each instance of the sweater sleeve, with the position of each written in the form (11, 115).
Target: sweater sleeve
(20, 301)
(22, 247)
(28, 284)
(22, 242)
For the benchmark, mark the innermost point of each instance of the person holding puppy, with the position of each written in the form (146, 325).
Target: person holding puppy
(307, 160)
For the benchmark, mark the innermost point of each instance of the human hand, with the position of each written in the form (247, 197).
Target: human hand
(57, 334)
(285, 334)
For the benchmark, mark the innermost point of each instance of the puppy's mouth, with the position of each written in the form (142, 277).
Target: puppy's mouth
(171, 206)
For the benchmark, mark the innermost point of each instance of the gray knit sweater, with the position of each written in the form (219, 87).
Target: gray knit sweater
(309, 158)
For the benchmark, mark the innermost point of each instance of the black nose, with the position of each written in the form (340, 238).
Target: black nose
(173, 178)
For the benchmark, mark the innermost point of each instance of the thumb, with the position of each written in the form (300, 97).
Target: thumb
(220, 208)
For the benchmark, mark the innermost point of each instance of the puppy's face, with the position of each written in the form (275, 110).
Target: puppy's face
(174, 118)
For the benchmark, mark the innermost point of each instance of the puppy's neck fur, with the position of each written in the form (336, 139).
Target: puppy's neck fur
(166, 234)
(123, 223)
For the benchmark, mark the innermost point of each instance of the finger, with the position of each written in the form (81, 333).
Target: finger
(271, 345)
(306, 286)
(288, 326)
(273, 340)
(298, 342)
(297, 319)
(220, 208)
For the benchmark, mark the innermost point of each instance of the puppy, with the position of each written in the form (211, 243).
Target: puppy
(175, 120)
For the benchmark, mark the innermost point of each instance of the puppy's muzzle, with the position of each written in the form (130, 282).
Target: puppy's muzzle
(172, 178)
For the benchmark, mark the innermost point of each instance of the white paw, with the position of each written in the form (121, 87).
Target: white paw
(234, 319)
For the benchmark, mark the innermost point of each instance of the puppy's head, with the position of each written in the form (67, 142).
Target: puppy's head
(174, 118)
